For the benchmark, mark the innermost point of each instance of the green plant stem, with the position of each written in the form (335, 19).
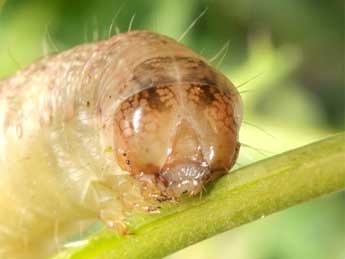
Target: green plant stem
(240, 197)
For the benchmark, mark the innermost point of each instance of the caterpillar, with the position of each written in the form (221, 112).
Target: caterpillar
(107, 128)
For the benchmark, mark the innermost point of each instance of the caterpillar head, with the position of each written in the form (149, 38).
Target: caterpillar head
(180, 128)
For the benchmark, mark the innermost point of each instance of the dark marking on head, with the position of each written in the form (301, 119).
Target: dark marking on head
(159, 71)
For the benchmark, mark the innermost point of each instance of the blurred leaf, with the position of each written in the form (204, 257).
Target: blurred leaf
(2, 2)
(26, 30)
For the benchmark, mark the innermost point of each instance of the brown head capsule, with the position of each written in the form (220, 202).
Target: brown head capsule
(104, 129)
(181, 128)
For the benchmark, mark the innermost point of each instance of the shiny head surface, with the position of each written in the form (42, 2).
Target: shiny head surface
(181, 129)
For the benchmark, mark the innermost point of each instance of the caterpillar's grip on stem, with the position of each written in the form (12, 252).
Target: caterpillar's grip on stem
(104, 129)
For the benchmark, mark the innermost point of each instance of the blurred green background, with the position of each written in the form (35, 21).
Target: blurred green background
(292, 54)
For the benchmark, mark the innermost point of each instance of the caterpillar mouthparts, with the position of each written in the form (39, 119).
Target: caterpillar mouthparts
(107, 128)
(187, 177)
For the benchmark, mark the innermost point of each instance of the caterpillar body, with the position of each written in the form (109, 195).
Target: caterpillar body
(106, 128)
